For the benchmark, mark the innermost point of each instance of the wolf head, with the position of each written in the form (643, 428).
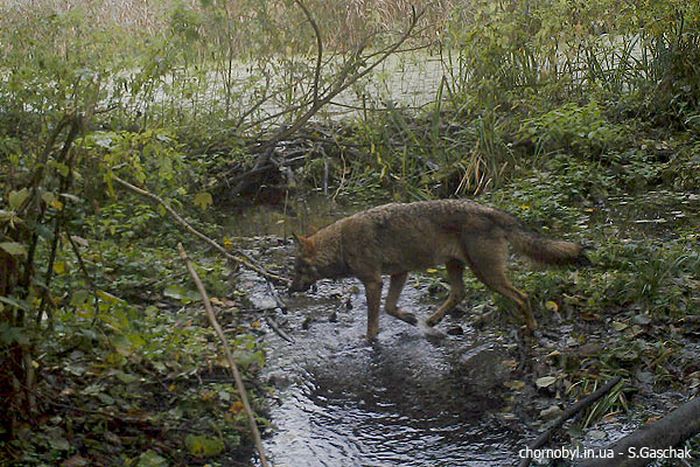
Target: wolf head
(305, 268)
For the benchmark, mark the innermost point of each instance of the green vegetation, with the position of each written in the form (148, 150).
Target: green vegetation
(582, 116)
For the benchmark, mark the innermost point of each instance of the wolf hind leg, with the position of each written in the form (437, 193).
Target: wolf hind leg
(392, 298)
(455, 270)
(487, 259)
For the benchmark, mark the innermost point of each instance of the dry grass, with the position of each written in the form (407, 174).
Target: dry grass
(344, 23)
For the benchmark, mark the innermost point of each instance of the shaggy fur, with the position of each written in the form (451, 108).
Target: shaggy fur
(397, 238)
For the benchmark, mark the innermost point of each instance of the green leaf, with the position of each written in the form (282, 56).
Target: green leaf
(203, 446)
(79, 297)
(125, 378)
(10, 334)
(17, 198)
(14, 248)
(108, 297)
(151, 459)
(57, 440)
(122, 345)
(203, 199)
(179, 292)
(48, 197)
(14, 302)
(60, 167)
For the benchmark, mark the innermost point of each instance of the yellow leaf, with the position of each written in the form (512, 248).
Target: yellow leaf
(203, 200)
(524, 207)
(551, 306)
(59, 267)
(431, 271)
(236, 407)
(56, 204)
(255, 324)
(228, 243)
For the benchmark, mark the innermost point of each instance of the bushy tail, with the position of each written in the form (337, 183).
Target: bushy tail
(544, 250)
(541, 249)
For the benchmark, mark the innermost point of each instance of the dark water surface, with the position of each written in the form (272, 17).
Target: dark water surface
(405, 400)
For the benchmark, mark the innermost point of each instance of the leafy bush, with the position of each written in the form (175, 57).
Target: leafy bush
(583, 130)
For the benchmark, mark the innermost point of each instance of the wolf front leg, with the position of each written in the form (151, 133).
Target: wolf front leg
(392, 298)
(373, 291)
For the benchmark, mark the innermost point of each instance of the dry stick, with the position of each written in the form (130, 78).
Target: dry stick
(319, 46)
(240, 258)
(568, 413)
(88, 278)
(278, 300)
(276, 327)
(229, 356)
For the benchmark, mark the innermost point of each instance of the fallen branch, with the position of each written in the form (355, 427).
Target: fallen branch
(276, 327)
(239, 258)
(276, 297)
(672, 430)
(227, 351)
(568, 413)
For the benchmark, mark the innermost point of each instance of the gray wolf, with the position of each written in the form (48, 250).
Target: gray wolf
(398, 238)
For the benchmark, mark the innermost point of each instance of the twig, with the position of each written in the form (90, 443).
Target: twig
(83, 269)
(276, 327)
(276, 297)
(66, 181)
(343, 80)
(227, 351)
(319, 47)
(239, 257)
(568, 413)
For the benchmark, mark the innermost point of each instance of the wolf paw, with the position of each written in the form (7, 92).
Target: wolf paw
(432, 321)
(410, 318)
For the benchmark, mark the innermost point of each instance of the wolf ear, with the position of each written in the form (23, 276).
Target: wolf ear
(306, 244)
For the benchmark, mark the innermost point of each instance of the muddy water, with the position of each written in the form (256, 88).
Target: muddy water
(408, 399)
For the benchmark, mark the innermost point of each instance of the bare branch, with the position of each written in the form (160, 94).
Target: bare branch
(568, 413)
(672, 430)
(344, 80)
(319, 47)
(227, 351)
(239, 257)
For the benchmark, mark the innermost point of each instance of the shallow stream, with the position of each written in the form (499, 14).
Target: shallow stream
(406, 400)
